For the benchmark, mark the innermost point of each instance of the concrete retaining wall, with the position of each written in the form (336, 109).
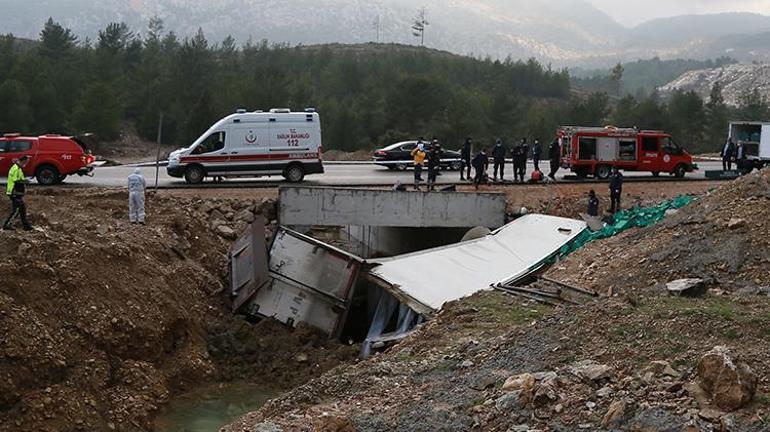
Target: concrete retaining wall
(362, 207)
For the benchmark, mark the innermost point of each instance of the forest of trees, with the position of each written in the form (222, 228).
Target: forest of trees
(367, 95)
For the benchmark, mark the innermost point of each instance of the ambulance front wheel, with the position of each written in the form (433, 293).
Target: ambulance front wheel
(194, 175)
(680, 171)
(294, 173)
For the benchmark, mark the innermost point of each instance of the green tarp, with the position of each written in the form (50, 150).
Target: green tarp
(626, 219)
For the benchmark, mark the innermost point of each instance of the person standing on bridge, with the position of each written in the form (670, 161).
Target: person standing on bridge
(136, 188)
(481, 165)
(537, 151)
(616, 189)
(434, 165)
(498, 157)
(520, 153)
(465, 156)
(418, 154)
(554, 154)
(728, 153)
(15, 189)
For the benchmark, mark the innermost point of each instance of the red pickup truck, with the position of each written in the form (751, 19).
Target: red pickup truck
(52, 157)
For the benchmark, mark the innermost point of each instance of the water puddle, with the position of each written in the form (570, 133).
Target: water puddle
(208, 409)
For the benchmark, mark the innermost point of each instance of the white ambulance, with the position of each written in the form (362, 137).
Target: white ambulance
(254, 144)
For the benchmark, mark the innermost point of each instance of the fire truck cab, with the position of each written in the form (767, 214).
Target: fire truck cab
(596, 150)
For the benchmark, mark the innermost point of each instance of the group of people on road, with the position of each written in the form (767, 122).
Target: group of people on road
(500, 153)
(16, 188)
(732, 152)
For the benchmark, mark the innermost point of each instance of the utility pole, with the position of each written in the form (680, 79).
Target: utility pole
(377, 27)
(420, 23)
(157, 155)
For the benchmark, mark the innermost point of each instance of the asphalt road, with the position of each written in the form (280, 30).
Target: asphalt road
(337, 174)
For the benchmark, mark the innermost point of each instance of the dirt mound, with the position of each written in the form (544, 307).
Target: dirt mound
(102, 320)
(722, 238)
(611, 365)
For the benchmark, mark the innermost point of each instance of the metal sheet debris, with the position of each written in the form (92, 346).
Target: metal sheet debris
(426, 280)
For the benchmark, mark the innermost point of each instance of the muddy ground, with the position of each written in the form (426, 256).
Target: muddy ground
(103, 321)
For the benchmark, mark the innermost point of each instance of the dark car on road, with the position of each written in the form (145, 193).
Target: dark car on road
(398, 157)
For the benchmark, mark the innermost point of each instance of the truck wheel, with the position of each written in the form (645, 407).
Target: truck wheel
(603, 172)
(294, 173)
(47, 175)
(656, 174)
(194, 175)
(680, 171)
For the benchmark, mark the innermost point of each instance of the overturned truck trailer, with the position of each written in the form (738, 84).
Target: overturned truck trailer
(347, 297)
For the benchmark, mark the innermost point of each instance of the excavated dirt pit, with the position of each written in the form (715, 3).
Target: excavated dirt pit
(104, 323)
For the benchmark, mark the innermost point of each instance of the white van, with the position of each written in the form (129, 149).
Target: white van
(254, 144)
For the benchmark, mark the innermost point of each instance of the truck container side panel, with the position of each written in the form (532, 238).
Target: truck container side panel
(290, 304)
(764, 144)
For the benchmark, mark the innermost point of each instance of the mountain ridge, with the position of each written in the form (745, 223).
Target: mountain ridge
(559, 32)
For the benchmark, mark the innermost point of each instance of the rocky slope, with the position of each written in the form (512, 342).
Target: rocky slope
(641, 360)
(735, 79)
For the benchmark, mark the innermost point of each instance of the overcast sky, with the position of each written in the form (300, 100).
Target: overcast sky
(632, 12)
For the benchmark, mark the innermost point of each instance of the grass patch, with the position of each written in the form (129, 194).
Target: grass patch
(496, 309)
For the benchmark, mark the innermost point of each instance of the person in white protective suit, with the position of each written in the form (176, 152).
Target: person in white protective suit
(136, 187)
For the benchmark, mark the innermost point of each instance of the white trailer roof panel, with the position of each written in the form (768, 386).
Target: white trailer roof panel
(427, 280)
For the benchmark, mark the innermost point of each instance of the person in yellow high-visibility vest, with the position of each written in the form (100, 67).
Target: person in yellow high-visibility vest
(15, 189)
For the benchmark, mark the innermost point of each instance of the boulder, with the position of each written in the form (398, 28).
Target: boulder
(226, 232)
(509, 402)
(590, 370)
(545, 394)
(687, 287)
(524, 382)
(730, 384)
(269, 209)
(615, 415)
(660, 368)
(245, 216)
(736, 223)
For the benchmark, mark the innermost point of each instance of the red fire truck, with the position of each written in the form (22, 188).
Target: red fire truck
(596, 150)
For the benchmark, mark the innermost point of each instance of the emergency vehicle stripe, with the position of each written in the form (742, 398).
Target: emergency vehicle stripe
(248, 158)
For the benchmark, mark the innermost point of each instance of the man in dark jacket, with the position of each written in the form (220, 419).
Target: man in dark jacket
(728, 153)
(465, 155)
(536, 152)
(593, 204)
(498, 156)
(554, 154)
(616, 190)
(434, 164)
(520, 153)
(481, 165)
